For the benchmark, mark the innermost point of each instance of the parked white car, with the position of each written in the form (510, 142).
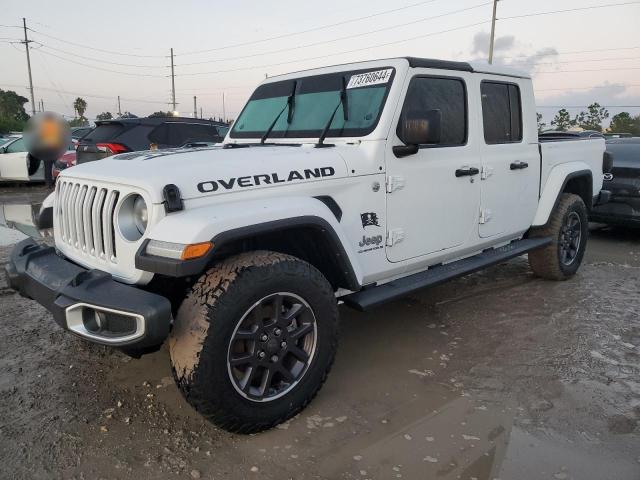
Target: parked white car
(16, 164)
(356, 183)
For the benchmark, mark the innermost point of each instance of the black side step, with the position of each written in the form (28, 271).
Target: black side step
(372, 297)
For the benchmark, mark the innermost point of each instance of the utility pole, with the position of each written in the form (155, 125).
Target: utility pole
(493, 31)
(41, 105)
(26, 45)
(119, 109)
(224, 110)
(173, 84)
(200, 112)
(195, 108)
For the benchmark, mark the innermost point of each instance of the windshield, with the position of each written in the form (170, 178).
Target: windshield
(316, 97)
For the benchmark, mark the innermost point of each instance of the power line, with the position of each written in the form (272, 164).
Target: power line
(337, 39)
(103, 69)
(313, 29)
(568, 89)
(553, 12)
(571, 53)
(105, 97)
(339, 53)
(112, 52)
(580, 71)
(100, 61)
(568, 62)
(586, 106)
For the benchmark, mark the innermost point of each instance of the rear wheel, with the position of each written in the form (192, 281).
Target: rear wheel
(568, 227)
(254, 340)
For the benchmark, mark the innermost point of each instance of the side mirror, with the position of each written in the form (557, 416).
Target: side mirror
(418, 128)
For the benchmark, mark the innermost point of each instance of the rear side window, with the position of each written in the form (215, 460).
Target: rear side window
(104, 133)
(448, 95)
(172, 134)
(501, 112)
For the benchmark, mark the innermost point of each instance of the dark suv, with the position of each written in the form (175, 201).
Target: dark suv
(624, 184)
(110, 137)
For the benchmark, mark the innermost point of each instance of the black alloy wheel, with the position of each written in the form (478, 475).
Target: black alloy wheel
(272, 347)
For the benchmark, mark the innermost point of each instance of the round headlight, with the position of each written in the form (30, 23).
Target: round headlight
(140, 214)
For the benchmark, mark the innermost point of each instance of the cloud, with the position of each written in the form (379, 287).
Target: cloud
(506, 52)
(481, 43)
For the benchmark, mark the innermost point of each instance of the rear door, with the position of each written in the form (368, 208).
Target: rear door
(510, 159)
(13, 161)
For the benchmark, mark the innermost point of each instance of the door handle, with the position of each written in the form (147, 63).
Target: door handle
(467, 172)
(519, 165)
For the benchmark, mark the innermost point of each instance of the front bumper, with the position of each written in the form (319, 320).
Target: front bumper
(88, 303)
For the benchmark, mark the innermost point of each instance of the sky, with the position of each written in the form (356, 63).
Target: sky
(101, 50)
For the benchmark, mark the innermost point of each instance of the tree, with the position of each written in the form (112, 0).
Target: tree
(128, 115)
(562, 121)
(541, 124)
(78, 122)
(80, 106)
(161, 114)
(12, 114)
(12, 106)
(625, 123)
(592, 119)
(104, 116)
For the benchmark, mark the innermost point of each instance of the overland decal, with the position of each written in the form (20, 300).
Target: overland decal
(265, 179)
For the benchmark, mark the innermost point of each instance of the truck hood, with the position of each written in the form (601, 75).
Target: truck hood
(214, 171)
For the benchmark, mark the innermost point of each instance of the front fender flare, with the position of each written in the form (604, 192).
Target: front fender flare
(223, 223)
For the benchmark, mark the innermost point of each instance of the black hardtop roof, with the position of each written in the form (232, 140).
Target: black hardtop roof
(159, 120)
(416, 62)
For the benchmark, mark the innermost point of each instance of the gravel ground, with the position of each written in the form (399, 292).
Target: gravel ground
(495, 375)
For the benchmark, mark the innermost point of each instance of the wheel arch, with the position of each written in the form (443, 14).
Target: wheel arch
(565, 178)
(292, 236)
(312, 233)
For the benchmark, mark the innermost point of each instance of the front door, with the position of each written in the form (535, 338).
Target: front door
(433, 195)
(13, 161)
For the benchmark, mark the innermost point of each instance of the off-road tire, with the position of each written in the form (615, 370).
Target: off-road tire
(206, 322)
(546, 262)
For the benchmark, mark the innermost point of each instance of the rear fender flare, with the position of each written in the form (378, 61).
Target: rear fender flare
(554, 187)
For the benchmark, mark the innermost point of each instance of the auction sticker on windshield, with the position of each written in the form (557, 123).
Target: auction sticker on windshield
(370, 78)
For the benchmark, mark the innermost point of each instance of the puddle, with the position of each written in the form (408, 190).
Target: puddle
(18, 221)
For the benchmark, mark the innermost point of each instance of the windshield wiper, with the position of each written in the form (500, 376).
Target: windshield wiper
(345, 110)
(291, 102)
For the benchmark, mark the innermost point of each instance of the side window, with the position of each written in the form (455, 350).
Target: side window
(501, 112)
(448, 95)
(172, 134)
(17, 146)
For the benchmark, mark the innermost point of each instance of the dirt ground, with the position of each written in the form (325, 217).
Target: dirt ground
(498, 375)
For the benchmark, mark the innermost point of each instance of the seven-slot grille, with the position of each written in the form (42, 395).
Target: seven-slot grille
(86, 218)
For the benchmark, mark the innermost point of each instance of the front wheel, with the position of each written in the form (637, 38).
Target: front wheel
(568, 226)
(254, 340)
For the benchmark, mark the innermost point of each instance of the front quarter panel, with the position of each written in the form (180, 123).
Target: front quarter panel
(205, 223)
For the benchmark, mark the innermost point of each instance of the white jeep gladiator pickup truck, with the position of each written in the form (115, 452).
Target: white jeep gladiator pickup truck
(352, 184)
